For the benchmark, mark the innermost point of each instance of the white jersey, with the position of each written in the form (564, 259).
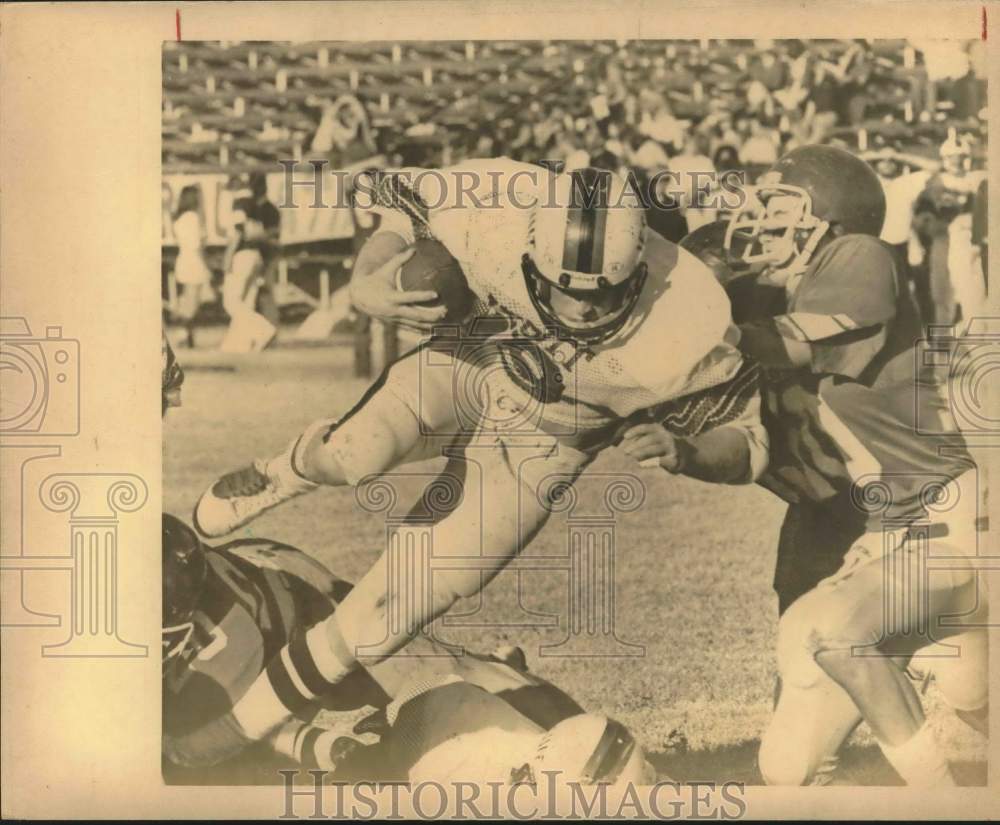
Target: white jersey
(679, 340)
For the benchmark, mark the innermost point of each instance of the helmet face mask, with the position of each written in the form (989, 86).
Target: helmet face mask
(588, 749)
(610, 306)
(175, 640)
(809, 195)
(776, 229)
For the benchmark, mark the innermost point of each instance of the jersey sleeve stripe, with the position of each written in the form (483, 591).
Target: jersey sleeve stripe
(284, 688)
(713, 407)
(303, 664)
(809, 326)
(393, 192)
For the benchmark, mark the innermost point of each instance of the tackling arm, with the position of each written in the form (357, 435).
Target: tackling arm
(733, 453)
(762, 341)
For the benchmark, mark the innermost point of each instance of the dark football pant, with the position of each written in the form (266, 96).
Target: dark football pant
(814, 538)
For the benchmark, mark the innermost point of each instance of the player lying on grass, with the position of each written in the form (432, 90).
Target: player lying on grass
(873, 498)
(609, 326)
(441, 714)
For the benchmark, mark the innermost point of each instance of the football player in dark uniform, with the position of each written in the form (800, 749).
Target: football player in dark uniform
(864, 450)
(225, 611)
(228, 610)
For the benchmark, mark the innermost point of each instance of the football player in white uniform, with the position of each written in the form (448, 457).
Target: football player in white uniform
(609, 328)
(605, 319)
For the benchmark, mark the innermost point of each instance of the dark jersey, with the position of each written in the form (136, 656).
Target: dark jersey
(257, 593)
(256, 596)
(848, 423)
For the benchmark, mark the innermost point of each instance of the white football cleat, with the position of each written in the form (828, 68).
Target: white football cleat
(237, 498)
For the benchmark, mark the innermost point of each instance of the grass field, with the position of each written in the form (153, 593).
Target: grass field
(693, 574)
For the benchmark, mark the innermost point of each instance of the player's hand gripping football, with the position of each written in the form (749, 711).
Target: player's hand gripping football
(651, 445)
(378, 296)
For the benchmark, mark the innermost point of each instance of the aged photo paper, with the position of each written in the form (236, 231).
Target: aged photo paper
(577, 410)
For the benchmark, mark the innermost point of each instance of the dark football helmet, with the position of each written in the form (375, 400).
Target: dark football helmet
(796, 202)
(708, 244)
(185, 569)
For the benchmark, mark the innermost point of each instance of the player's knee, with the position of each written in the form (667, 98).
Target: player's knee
(963, 679)
(831, 632)
(370, 442)
(781, 759)
(800, 631)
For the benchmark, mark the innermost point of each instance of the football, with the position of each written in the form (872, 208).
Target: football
(433, 267)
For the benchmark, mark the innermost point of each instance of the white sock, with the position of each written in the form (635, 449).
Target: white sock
(330, 653)
(284, 467)
(260, 710)
(919, 760)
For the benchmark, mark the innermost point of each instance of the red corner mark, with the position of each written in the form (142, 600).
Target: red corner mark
(984, 23)
(177, 21)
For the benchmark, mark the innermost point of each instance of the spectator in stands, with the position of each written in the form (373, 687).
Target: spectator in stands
(193, 276)
(981, 228)
(904, 178)
(945, 62)
(608, 106)
(762, 147)
(344, 133)
(646, 153)
(796, 91)
(975, 103)
(249, 263)
(767, 75)
(726, 158)
(821, 107)
(719, 127)
(656, 121)
(853, 72)
(694, 172)
(944, 224)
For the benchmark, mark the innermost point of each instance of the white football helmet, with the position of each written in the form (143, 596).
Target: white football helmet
(586, 235)
(590, 749)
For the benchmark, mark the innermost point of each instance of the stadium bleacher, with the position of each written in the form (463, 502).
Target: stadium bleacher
(238, 107)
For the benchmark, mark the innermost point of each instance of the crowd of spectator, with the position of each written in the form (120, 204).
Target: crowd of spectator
(687, 109)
